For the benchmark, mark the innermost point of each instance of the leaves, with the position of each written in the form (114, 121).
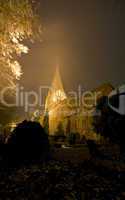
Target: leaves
(18, 22)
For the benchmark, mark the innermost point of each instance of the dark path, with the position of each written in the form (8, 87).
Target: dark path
(74, 155)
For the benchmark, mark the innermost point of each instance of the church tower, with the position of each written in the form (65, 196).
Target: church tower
(56, 92)
(56, 96)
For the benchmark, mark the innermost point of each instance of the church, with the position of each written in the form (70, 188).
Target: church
(66, 114)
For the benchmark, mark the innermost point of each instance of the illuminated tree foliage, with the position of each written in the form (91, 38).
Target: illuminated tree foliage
(18, 22)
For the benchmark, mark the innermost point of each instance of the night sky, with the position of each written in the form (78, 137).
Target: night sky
(86, 38)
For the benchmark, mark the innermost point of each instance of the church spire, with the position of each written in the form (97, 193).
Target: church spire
(56, 93)
(57, 82)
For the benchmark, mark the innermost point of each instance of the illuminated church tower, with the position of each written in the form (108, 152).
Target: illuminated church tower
(56, 96)
(60, 111)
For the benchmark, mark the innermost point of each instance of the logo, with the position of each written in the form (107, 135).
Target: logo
(116, 100)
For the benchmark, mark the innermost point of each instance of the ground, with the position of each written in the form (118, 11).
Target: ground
(63, 180)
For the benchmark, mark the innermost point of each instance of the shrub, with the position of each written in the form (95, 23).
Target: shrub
(73, 138)
(28, 142)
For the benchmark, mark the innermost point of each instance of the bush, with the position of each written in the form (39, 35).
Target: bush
(73, 138)
(28, 142)
(60, 130)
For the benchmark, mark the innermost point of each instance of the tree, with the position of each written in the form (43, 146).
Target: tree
(28, 141)
(46, 122)
(68, 127)
(18, 22)
(71, 138)
(110, 124)
(60, 130)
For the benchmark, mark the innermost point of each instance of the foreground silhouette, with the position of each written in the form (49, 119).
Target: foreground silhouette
(27, 142)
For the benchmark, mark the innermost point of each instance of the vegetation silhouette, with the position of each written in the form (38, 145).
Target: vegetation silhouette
(110, 124)
(27, 142)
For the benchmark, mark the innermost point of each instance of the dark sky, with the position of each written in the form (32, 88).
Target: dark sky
(85, 37)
